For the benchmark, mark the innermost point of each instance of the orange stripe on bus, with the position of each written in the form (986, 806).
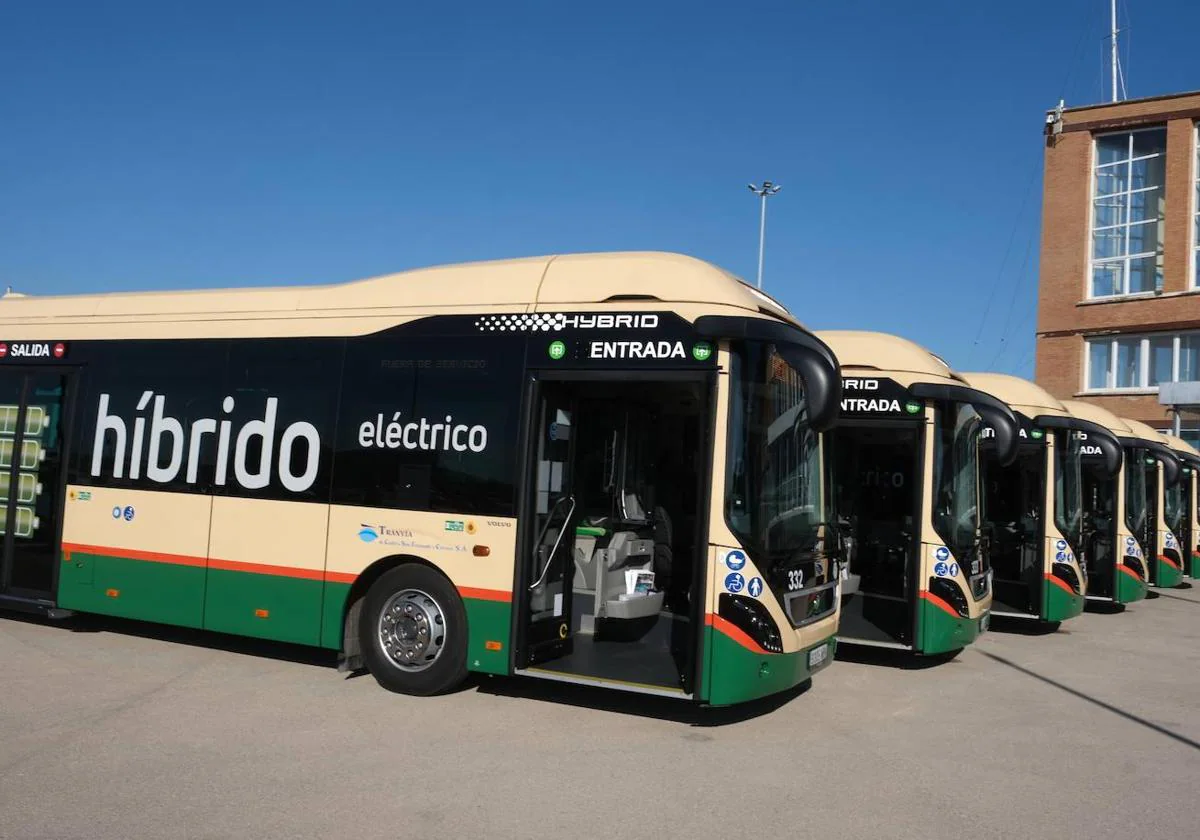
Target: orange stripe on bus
(1060, 583)
(135, 554)
(201, 562)
(1130, 572)
(340, 577)
(939, 602)
(724, 626)
(485, 594)
(1169, 561)
(263, 569)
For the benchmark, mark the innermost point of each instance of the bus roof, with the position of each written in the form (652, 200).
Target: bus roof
(1021, 394)
(1181, 445)
(636, 279)
(1144, 431)
(884, 352)
(1104, 417)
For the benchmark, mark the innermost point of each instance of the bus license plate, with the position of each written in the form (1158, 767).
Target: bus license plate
(817, 655)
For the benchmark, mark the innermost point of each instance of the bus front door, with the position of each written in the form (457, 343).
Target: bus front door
(1014, 501)
(546, 616)
(32, 440)
(878, 468)
(1100, 533)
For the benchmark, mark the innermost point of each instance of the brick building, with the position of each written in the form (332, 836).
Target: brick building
(1119, 292)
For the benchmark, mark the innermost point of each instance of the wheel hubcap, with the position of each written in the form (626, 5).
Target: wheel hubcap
(412, 630)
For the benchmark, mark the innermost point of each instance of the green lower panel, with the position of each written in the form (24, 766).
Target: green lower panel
(1060, 605)
(940, 632)
(1168, 575)
(1194, 565)
(333, 614)
(1129, 588)
(488, 621)
(163, 592)
(736, 674)
(286, 609)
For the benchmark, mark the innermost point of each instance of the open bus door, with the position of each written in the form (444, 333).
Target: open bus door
(33, 441)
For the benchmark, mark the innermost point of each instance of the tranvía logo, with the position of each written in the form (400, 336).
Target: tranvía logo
(385, 534)
(701, 351)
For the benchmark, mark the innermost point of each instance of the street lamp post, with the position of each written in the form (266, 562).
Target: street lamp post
(764, 192)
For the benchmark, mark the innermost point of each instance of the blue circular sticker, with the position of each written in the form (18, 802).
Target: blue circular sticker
(1061, 557)
(1061, 545)
(117, 512)
(735, 559)
(942, 553)
(734, 582)
(953, 570)
(1129, 541)
(755, 586)
(941, 569)
(128, 513)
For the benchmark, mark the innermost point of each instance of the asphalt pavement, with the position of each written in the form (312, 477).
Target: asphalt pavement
(111, 729)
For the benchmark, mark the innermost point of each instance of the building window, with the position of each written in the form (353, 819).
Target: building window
(1141, 362)
(1196, 210)
(1128, 203)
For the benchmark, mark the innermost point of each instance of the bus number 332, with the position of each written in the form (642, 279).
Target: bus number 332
(795, 579)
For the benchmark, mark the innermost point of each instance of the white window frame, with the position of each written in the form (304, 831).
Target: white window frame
(1092, 196)
(1195, 215)
(1110, 379)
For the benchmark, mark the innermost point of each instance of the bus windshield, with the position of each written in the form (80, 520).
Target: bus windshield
(1173, 506)
(956, 511)
(1135, 493)
(774, 499)
(1068, 482)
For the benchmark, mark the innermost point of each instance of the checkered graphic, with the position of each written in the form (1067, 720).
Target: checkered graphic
(521, 322)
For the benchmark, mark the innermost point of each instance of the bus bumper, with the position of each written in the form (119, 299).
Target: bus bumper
(941, 630)
(1129, 586)
(739, 670)
(1169, 574)
(1061, 602)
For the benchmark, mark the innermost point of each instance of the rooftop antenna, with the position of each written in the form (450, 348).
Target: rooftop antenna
(1116, 61)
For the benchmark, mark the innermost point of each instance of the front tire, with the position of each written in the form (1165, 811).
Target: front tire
(413, 632)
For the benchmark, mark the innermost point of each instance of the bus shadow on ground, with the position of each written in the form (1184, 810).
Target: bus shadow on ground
(1116, 710)
(208, 639)
(904, 660)
(1023, 626)
(1104, 607)
(597, 698)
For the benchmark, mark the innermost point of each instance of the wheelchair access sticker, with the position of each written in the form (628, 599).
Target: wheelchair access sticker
(734, 582)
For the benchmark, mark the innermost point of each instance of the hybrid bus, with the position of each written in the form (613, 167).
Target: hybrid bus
(1180, 505)
(906, 493)
(602, 469)
(1114, 509)
(1034, 506)
(1162, 470)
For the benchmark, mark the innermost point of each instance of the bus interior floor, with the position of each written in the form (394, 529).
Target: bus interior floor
(650, 660)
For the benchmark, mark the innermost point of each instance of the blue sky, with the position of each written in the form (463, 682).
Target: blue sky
(171, 145)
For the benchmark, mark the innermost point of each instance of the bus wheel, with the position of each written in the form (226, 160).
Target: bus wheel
(413, 632)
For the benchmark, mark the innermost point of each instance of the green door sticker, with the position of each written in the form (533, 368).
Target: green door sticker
(701, 351)
(557, 350)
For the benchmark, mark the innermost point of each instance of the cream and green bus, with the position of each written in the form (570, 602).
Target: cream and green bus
(1162, 468)
(906, 493)
(1034, 506)
(1114, 510)
(1182, 515)
(602, 469)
